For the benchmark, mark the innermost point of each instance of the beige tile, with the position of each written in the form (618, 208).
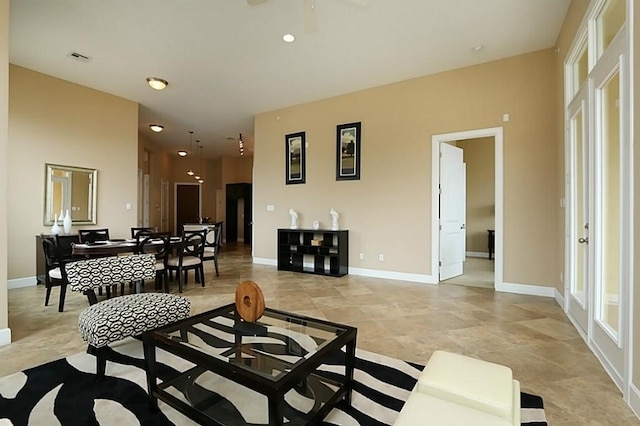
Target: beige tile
(400, 319)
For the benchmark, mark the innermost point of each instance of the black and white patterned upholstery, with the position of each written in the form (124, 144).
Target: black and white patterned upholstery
(114, 319)
(88, 274)
(126, 316)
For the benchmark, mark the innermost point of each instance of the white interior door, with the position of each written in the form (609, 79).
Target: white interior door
(452, 214)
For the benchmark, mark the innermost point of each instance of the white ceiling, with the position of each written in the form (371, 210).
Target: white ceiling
(226, 62)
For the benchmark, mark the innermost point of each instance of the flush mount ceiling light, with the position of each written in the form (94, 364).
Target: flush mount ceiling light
(156, 128)
(157, 83)
(288, 38)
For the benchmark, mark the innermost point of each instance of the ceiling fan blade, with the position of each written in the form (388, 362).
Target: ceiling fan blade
(256, 2)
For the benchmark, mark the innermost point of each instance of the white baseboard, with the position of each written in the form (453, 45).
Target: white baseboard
(392, 275)
(265, 261)
(5, 336)
(532, 290)
(21, 282)
(483, 254)
(374, 273)
(634, 399)
(559, 298)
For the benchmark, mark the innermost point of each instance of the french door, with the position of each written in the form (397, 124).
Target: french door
(599, 193)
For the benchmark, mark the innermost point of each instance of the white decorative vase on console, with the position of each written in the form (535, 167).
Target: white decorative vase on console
(66, 223)
(55, 229)
(334, 220)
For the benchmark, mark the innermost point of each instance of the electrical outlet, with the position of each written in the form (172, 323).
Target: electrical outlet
(361, 256)
(381, 257)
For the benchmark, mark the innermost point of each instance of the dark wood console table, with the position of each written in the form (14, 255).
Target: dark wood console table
(326, 251)
(492, 242)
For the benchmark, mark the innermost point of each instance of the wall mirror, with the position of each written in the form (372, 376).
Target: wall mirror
(70, 188)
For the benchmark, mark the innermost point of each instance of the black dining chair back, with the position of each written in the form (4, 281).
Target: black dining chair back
(55, 274)
(93, 235)
(213, 244)
(147, 230)
(158, 244)
(189, 257)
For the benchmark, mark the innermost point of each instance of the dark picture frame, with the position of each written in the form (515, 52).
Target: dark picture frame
(348, 153)
(295, 158)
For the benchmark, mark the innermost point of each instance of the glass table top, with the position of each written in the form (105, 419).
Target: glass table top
(271, 347)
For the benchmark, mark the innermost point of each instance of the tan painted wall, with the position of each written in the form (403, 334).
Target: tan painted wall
(54, 121)
(159, 166)
(479, 156)
(4, 160)
(389, 210)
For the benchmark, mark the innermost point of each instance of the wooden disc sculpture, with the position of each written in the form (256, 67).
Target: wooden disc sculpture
(249, 301)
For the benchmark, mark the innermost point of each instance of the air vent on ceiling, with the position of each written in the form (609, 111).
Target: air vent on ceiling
(79, 57)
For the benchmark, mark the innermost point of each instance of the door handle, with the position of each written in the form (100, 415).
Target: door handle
(463, 226)
(583, 240)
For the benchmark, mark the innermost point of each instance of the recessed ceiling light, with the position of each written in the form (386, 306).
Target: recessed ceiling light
(477, 48)
(157, 83)
(182, 153)
(156, 127)
(289, 38)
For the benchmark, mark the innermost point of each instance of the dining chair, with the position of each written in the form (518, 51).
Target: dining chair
(55, 274)
(158, 244)
(135, 231)
(93, 235)
(212, 245)
(189, 257)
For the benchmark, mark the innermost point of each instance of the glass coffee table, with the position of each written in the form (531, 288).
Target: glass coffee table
(285, 368)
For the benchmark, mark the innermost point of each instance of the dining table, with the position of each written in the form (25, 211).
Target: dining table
(114, 247)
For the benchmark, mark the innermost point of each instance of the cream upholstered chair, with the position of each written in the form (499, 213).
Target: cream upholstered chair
(213, 243)
(189, 257)
(55, 274)
(157, 244)
(93, 235)
(114, 319)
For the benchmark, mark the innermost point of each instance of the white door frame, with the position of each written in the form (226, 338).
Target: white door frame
(497, 134)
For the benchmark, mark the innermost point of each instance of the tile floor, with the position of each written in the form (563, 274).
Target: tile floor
(405, 320)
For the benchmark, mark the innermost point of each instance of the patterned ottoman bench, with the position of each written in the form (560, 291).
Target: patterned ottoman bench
(127, 316)
(114, 319)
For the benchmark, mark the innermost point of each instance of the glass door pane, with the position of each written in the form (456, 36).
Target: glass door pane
(608, 97)
(580, 222)
(609, 22)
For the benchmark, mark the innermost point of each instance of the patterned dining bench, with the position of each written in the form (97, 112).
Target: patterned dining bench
(114, 319)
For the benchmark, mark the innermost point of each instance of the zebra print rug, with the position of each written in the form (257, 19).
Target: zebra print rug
(65, 392)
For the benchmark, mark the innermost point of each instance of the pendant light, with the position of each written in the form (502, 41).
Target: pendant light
(190, 171)
(197, 176)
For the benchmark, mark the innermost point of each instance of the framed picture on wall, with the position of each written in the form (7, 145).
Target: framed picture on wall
(348, 151)
(295, 158)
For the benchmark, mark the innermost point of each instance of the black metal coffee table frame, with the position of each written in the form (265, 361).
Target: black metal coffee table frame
(274, 388)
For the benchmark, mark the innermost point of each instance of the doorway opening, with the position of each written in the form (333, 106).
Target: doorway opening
(239, 213)
(187, 205)
(467, 227)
